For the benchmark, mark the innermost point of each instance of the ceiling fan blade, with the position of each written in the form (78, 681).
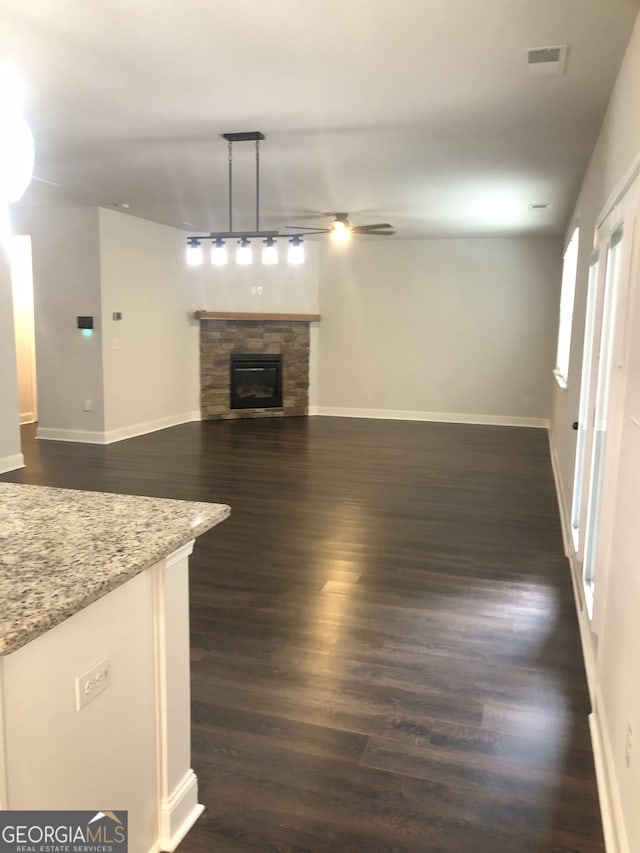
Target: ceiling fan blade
(378, 225)
(45, 181)
(313, 228)
(303, 213)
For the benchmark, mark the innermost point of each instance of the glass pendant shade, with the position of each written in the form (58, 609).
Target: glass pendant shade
(296, 252)
(244, 253)
(270, 252)
(219, 255)
(194, 255)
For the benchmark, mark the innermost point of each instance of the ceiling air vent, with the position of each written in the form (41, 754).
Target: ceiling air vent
(547, 60)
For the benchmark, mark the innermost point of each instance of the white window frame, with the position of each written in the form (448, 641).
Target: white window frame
(567, 297)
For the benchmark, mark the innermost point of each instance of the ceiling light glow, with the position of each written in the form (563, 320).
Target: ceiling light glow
(16, 139)
(340, 232)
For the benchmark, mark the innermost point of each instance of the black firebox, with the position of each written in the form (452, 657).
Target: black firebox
(256, 381)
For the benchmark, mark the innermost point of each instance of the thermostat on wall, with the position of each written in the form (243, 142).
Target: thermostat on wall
(85, 322)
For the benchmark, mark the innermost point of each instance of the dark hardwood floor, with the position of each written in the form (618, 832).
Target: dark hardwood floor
(385, 653)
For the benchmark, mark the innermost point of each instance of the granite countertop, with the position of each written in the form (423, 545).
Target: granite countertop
(62, 549)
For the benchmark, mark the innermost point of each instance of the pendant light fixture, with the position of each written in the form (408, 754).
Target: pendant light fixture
(244, 252)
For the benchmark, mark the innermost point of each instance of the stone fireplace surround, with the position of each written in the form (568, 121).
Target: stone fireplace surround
(222, 334)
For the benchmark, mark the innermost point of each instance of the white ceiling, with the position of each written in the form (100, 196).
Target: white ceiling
(421, 113)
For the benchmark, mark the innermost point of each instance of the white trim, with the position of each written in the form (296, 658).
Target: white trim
(4, 782)
(79, 435)
(575, 571)
(179, 812)
(182, 552)
(178, 807)
(27, 418)
(560, 379)
(584, 626)
(10, 463)
(120, 434)
(442, 417)
(150, 426)
(615, 835)
(565, 518)
(619, 191)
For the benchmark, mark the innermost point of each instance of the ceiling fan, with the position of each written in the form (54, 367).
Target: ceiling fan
(341, 229)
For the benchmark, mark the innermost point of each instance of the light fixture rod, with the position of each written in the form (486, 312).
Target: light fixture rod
(230, 185)
(268, 236)
(257, 184)
(230, 235)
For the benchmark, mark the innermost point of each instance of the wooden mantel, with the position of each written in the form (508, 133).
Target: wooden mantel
(233, 315)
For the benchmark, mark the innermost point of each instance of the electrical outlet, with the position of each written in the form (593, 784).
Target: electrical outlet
(628, 745)
(88, 406)
(92, 682)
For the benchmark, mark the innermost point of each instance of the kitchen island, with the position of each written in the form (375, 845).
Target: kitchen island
(94, 656)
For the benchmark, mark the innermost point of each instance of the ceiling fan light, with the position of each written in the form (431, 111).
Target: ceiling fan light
(295, 254)
(219, 255)
(269, 251)
(340, 232)
(244, 252)
(194, 253)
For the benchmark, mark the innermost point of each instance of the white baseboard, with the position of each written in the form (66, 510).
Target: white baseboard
(615, 836)
(150, 426)
(10, 463)
(179, 812)
(442, 417)
(563, 505)
(111, 436)
(586, 636)
(79, 435)
(584, 624)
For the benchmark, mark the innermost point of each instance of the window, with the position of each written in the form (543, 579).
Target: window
(593, 319)
(567, 294)
(601, 427)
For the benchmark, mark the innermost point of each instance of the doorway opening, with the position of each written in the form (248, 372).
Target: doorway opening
(21, 267)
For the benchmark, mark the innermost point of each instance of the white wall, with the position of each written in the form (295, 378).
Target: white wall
(66, 282)
(151, 356)
(614, 655)
(279, 289)
(10, 454)
(460, 329)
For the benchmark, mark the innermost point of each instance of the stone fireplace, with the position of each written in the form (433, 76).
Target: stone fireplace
(248, 342)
